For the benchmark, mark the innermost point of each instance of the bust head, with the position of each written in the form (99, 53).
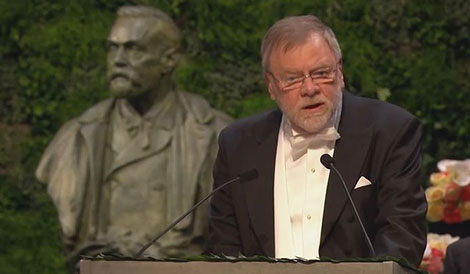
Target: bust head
(143, 47)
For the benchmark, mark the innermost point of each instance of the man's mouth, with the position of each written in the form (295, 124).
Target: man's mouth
(313, 106)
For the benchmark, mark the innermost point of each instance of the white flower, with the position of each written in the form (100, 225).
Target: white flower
(439, 241)
(459, 170)
(443, 238)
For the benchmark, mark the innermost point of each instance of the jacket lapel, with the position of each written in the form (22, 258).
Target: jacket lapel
(260, 194)
(191, 146)
(158, 139)
(350, 153)
(93, 129)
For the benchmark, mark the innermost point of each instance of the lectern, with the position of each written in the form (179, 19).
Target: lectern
(240, 267)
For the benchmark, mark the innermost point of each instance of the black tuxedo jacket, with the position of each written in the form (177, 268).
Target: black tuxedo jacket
(378, 141)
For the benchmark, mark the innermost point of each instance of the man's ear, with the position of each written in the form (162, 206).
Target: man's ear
(269, 85)
(169, 59)
(340, 72)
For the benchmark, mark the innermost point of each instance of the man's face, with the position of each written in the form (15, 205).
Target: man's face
(134, 56)
(311, 105)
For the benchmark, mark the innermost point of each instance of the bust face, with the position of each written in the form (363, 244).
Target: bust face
(134, 61)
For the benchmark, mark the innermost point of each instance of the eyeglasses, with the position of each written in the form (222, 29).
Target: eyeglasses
(318, 76)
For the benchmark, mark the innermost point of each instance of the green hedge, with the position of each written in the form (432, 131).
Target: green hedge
(415, 54)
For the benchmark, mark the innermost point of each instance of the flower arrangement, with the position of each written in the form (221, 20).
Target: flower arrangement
(449, 194)
(433, 258)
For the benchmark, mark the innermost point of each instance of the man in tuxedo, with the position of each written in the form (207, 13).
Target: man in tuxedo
(296, 207)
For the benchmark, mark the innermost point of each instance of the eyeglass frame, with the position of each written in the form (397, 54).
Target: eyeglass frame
(301, 79)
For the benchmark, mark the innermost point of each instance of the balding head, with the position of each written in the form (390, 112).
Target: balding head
(294, 31)
(162, 24)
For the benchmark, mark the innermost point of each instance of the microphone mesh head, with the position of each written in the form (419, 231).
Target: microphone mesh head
(327, 160)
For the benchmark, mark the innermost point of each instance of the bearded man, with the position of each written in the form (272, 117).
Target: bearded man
(297, 207)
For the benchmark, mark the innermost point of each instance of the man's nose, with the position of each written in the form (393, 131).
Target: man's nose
(120, 57)
(309, 87)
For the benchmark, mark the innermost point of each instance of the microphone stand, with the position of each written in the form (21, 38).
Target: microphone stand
(252, 174)
(328, 162)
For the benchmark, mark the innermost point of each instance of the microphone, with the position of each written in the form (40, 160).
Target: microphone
(242, 177)
(328, 162)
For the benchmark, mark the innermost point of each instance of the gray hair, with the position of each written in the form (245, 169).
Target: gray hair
(173, 32)
(293, 31)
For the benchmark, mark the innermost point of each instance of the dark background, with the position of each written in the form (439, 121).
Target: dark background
(413, 53)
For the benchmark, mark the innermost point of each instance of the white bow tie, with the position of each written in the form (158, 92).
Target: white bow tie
(301, 143)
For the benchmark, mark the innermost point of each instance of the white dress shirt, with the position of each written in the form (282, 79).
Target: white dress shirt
(300, 183)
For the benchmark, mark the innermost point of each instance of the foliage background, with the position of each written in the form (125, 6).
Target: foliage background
(415, 54)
